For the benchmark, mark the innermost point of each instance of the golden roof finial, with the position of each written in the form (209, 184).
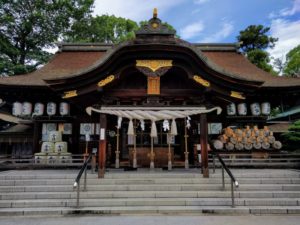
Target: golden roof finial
(155, 13)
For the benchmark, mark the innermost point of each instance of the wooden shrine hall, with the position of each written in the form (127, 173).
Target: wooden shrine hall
(154, 101)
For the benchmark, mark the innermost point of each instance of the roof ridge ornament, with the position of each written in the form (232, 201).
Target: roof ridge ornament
(155, 27)
(155, 13)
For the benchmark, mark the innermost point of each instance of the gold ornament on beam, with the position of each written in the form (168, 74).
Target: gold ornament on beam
(201, 81)
(154, 64)
(238, 95)
(70, 94)
(105, 81)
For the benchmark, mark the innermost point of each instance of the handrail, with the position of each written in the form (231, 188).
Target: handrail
(234, 182)
(76, 184)
(227, 169)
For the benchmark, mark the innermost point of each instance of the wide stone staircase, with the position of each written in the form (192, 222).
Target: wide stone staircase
(50, 192)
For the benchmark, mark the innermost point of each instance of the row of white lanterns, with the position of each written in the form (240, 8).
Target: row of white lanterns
(25, 109)
(256, 109)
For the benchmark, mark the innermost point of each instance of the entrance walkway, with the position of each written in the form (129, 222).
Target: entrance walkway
(154, 220)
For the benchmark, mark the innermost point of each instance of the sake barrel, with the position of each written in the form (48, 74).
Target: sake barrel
(38, 109)
(229, 146)
(255, 109)
(242, 109)
(40, 158)
(247, 132)
(244, 140)
(47, 147)
(239, 146)
(265, 108)
(271, 139)
(231, 109)
(223, 138)
(26, 109)
(257, 145)
(52, 158)
(218, 144)
(239, 132)
(65, 157)
(64, 109)
(233, 140)
(277, 145)
(17, 109)
(248, 146)
(265, 145)
(55, 136)
(259, 139)
(61, 147)
(266, 131)
(51, 108)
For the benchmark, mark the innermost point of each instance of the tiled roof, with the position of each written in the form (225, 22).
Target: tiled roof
(62, 64)
(240, 65)
(73, 59)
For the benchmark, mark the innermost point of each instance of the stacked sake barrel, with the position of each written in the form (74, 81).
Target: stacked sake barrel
(247, 139)
(54, 150)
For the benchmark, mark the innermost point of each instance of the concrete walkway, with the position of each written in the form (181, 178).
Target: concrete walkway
(153, 220)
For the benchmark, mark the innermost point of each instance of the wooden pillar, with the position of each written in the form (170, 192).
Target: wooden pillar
(75, 137)
(203, 141)
(102, 146)
(36, 136)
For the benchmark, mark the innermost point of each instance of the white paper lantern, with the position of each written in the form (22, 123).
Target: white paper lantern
(38, 109)
(255, 109)
(231, 109)
(266, 108)
(242, 109)
(51, 108)
(17, 109)
(64, 109)
(26, 109)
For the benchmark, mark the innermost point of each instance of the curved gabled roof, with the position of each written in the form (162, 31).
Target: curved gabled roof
(75, 60)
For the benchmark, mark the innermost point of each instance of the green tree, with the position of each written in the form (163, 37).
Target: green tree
(292, 66)
(260, 58)
(292, 137)
(254, 40)
(29, 27)
(105, 28)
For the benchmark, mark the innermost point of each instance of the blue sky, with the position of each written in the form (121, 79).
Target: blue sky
(215, 20)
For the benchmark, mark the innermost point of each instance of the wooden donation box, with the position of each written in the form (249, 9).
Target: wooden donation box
(143, 159)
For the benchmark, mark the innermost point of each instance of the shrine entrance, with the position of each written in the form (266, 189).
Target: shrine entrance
(149, 136)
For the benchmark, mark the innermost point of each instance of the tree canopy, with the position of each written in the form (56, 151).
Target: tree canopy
(292, 65)
(254, 40)
(292, 137)
(104, 28)
(28, 27)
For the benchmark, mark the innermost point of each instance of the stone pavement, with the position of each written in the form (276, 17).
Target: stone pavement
(153, 220)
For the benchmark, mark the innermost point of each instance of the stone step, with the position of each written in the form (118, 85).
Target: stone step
(149, 174)
(149, 194)
(148, 202)
(152, 187)
(137, 181)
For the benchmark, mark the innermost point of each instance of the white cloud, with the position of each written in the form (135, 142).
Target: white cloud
(136, 10)
(225, 31)
(192, 30)
(199, 2)
(286, 11)
(291, 11)
(288, 33)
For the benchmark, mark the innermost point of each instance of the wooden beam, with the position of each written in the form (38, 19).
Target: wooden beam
(102, 146)
(203, 142)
